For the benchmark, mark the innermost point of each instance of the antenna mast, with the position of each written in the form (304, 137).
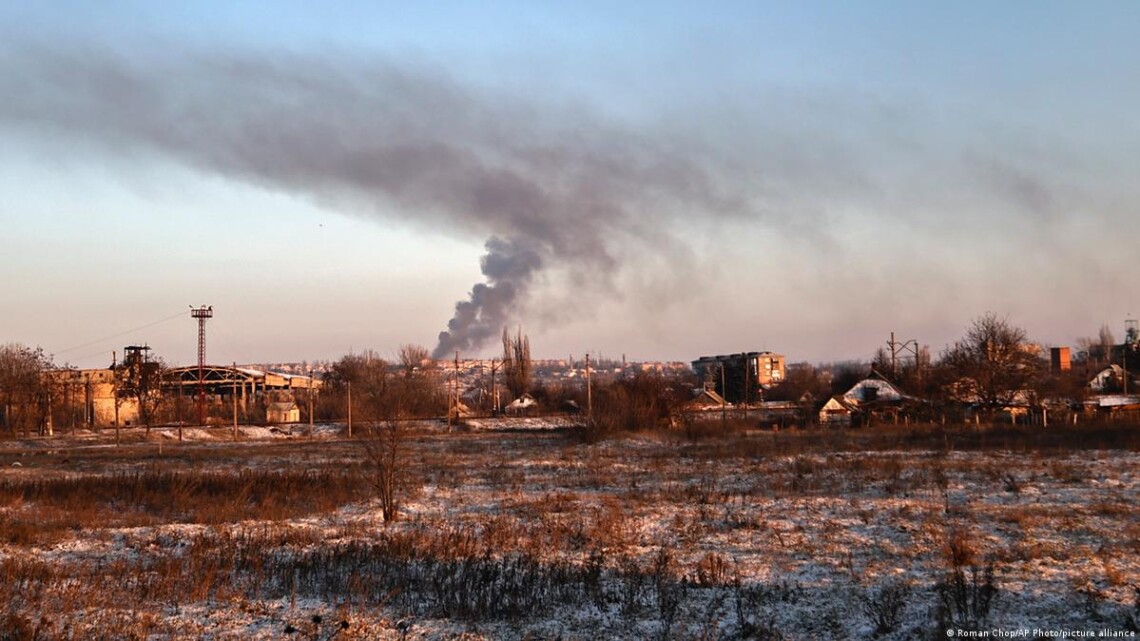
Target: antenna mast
(203, 314)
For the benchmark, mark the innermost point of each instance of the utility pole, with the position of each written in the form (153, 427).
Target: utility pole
(747, 389)
(350, 409)
(115, 391)
(494, 391)
(894, 363)
(723, 400)
(897, 347)
(1131, 334)
(233, 393)
(48, 426)
(311, 426)
(589, 391)
(181, 398)
(87, 409)
(68, 394)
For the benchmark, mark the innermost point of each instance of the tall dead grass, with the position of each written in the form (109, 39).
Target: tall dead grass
(48, 509)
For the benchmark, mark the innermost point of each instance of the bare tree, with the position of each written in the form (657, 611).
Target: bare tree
(516, 362)
(1105, 340)
(1097, 350)
(640, 402)
(382, 398)
(412, 359)
(22, 387)
(804, 384)
(417, 392)
(387, 463)
(993, 363)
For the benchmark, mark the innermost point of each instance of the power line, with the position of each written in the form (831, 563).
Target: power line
(123, 333)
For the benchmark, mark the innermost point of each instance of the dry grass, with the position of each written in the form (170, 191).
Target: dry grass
(722, 533)
(47, 510)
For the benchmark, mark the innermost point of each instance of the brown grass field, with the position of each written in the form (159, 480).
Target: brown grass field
(887, 533)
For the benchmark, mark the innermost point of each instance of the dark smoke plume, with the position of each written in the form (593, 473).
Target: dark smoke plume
(552, 188)
(508, 268)
(781, 202)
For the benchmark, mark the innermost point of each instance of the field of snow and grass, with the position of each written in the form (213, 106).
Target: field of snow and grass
(531, 535)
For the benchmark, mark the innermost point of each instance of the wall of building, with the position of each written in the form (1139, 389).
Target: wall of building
(743, 377)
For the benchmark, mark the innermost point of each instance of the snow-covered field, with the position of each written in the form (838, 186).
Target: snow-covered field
(530, 535)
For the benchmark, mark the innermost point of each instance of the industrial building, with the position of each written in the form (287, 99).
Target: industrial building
(125, 393)
(743, 377)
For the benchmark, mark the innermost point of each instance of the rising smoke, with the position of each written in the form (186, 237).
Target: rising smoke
(550, 188)
(881, 207)
(508, 267)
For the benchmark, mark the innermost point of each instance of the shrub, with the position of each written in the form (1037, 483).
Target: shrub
(885, 607)
(966, 598)
(756, 611)
(712, 570)
(670, 592)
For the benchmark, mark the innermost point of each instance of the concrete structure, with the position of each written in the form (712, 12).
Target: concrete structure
(111, 396)
(95, 393)
(282, 412)
(743, 377)
(1060, 360)
(244, 381)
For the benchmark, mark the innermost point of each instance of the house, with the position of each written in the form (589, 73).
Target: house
(460, 410)
(837, 412)
(282, 412)
(1109, 380)
(1014, 405)
(1113, 403)
(869, 397)
(524, 404)
(570, 407)
(705, 399)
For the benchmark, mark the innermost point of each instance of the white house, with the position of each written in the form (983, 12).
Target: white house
(524, 404)
(867, 396)
(1108, 379)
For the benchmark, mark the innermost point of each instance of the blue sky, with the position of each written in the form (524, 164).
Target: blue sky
(666, 179)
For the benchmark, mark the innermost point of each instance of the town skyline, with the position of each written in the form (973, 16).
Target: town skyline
(906, 348)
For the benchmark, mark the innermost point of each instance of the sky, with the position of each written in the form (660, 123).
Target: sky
(658, 180)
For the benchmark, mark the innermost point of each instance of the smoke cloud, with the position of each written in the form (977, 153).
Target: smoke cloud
(509, 267)
(861, 202)
(550, 188)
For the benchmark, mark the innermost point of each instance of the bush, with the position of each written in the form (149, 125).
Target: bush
(966, 597)
(885, 607)
(645, 401)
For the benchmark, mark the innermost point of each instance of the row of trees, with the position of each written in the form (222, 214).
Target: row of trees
(376, 389)
(373, 388)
